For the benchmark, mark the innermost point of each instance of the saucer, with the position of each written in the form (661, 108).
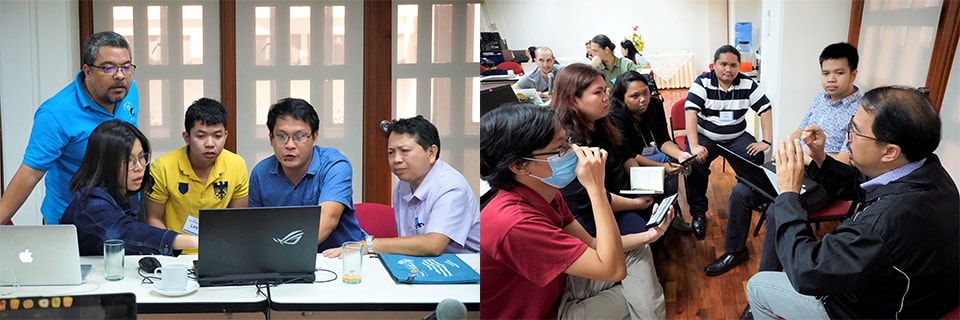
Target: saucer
(191, 287)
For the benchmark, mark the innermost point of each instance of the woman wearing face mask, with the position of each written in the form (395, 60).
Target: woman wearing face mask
(643, 125)
(531, 242)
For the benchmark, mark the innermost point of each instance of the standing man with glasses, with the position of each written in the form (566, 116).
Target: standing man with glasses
(103, 90)
(302, 174)
(197, 176)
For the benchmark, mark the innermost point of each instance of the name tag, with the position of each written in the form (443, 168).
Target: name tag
(648, 151)
(192, 225)
(726, 116)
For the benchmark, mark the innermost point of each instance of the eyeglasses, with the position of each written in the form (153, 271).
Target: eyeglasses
(111, 70)
(851, 133)
(141, 159)
(561, 151)
(283, 138)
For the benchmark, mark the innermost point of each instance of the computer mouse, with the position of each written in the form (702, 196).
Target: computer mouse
(149, 264)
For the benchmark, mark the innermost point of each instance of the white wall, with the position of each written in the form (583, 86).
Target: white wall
(39, 55)
(791, 69)
(564, 25)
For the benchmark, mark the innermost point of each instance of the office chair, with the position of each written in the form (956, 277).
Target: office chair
(377, 219)
(510, 65)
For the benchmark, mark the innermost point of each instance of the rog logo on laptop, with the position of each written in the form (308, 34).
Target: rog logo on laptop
(291, 238)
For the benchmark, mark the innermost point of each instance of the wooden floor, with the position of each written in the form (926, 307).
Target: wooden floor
(688, 292)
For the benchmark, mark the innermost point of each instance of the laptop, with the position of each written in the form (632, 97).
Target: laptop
(762, 179)
(530, 95)
(87, 306)
(493, 98)
(246, 246)
(40, 256)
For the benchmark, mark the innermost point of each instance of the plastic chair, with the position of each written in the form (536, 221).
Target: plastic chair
(377, 219)
(678, 123)
(837, 210)
(510, 65)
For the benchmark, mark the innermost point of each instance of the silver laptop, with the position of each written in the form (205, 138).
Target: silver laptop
(531, 95)
(39, 255)
(244, 246)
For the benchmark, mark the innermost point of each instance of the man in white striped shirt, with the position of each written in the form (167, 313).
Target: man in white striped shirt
(715, 114)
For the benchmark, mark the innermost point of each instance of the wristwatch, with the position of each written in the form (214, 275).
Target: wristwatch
(369, 239)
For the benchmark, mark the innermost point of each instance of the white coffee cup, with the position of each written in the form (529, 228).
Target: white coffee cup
(173, 277)
(511, 73)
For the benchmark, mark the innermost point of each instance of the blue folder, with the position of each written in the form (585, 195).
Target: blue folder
(443, 269)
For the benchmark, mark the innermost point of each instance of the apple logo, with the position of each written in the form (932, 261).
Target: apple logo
(26, 256)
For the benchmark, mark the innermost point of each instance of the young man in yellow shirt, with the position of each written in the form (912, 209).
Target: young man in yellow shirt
(197, 176)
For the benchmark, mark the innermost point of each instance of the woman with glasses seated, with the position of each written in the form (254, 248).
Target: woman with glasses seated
(106, 190)
(642, 123)
(537, 261)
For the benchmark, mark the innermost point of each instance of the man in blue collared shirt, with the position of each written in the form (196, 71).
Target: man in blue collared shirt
(301, 173)
(435, 209)
(103, 90)
(897, 256)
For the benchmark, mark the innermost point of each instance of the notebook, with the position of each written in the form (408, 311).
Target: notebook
(89, 306)
(762, 179)
(446, 268)
(40, 255)
(245, 246)
(645, 180)
(529, 96)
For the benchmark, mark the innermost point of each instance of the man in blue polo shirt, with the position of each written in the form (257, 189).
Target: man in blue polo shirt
(301, 173)
(103, 90)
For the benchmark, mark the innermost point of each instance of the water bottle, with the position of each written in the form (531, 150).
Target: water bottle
(746, 56)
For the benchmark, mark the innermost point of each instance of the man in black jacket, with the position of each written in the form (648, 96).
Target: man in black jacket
(898, 255)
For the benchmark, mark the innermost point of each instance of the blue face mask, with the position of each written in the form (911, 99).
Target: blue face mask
(563, 169)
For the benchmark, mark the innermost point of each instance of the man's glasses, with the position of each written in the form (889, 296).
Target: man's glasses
(141, 159)
(850, 132)
(111, 70)
(283, 138)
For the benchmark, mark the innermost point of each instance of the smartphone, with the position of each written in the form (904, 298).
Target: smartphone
(665, 204)
(685, 162)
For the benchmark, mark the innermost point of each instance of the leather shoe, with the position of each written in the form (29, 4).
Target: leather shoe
(699, 225)
(746, 314)
(725, 262)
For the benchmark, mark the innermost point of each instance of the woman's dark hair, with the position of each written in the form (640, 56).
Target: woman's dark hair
(532, 54)
(603, 42)
(417, 127)
(620, 88)
(631, 50)
(569, 84)
(298, 109)
(510, 133)
(107, 159)
(905, 117)
(726, 49)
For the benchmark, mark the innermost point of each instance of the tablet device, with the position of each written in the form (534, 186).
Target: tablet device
(661, 213)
